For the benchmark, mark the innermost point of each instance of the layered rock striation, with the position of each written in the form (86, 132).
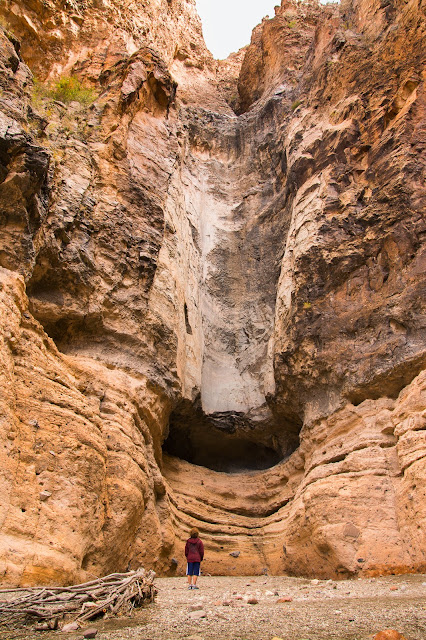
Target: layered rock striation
(212, 291)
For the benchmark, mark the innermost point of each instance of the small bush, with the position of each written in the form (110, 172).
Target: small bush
(69, 89)
(295, 104)
(292, 24)
(40, 91)
(66, 89)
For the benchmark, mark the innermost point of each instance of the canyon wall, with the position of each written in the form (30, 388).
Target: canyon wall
(212, 291)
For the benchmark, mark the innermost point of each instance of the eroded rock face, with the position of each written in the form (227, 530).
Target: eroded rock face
(245, 291)
(342, 504)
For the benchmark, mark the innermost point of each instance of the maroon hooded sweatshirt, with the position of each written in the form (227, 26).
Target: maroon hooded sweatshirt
(194, 550)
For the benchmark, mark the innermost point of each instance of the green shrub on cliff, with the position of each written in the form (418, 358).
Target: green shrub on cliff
(69, 89)
(39, 92)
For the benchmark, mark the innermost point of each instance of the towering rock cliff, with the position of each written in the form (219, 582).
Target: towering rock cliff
(211, 290)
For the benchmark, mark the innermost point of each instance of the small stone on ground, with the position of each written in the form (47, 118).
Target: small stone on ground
(359, 609)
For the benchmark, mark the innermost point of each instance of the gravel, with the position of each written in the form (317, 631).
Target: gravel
(319, 610)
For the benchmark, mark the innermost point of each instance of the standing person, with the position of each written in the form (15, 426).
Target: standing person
(194, 552)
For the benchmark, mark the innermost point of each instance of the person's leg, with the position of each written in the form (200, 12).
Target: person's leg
(195, 574)
(189, 572)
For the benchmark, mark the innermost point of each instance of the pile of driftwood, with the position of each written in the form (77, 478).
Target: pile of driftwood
(118, 593)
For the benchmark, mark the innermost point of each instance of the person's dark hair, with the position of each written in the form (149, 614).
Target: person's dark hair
(194, 532)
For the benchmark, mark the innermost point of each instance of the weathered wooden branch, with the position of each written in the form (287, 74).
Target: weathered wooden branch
(117, 593)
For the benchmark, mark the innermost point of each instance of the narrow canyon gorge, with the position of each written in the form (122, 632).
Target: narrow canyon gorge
(212, 291)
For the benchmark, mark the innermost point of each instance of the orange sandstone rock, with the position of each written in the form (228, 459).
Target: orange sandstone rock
(389, 634)
(210, 319)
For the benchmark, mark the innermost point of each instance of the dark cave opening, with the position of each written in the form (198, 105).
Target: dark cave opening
(228, 442)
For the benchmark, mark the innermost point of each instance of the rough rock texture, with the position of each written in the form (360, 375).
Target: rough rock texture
(245, 292)
(80, 482)
(351, 498)
(95, 34)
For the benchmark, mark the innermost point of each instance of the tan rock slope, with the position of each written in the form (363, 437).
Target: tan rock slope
(212, 291)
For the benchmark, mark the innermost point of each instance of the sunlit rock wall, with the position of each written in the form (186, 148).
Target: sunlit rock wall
(212, 292)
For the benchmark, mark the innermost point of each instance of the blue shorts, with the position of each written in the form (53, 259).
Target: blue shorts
(193, 569)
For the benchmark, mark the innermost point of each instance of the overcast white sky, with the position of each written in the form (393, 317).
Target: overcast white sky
(227, 24)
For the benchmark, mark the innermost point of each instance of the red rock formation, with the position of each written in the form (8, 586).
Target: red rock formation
(244, 291)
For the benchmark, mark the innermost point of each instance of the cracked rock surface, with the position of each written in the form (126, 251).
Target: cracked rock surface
(212, 291)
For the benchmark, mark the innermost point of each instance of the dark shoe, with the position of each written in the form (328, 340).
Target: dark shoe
(190, 586)
(194, 586)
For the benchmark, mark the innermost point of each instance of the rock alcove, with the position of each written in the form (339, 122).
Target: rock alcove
(226, 441)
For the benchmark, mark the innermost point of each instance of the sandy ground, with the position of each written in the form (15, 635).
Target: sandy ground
(319, 610)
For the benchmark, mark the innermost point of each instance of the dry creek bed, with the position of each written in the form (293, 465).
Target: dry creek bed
(319, 610)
